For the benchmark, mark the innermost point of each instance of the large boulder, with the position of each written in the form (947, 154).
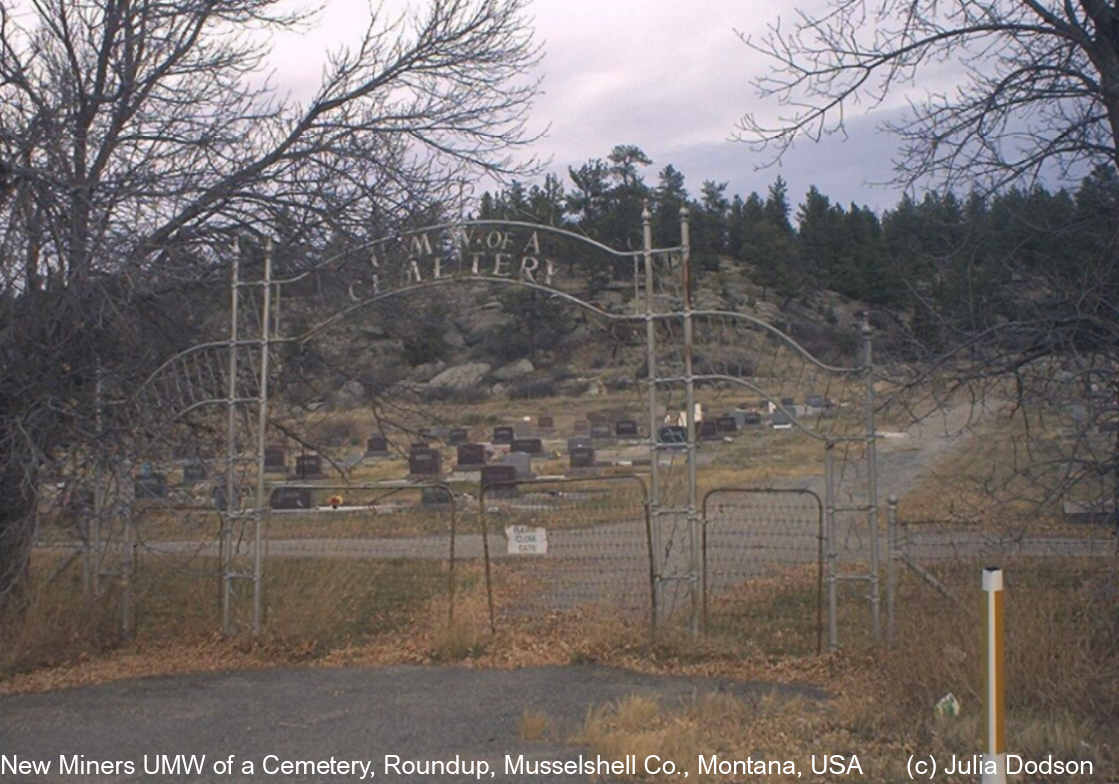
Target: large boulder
(427, 371)
(462, 376)
(515, 369)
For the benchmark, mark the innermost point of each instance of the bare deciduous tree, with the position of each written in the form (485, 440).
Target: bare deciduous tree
(138, 137)
(1007, 86)
(999, 93)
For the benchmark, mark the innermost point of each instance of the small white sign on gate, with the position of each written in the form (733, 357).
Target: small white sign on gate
(526, 540)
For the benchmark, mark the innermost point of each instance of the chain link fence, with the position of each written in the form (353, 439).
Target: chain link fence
(753, 538)
(571, 544)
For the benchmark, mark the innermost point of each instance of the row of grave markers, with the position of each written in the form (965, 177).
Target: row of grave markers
(426, 461)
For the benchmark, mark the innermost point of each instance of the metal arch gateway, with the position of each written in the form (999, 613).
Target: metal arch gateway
(511, 253)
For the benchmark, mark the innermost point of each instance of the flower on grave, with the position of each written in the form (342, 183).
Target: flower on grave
(335, 501)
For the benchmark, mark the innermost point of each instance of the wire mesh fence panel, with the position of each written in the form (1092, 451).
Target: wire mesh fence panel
(762, 555)
(558, 545)
(344, 562)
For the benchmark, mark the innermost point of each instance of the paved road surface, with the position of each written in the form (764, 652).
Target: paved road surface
(413, 712)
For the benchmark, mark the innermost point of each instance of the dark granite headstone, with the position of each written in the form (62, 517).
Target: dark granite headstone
(503, 434)
(151, 485)
(752, 418)
(545, 422)
(217, 495)
(726, 424)
(781, 419)
(788, 402)
(708, 430)
(425, 462)
(494, 475)
(625, 428)
(290, 498)
(673, 434)
(458, 435)
(530, 446)
(577, 441)
(601, 431)
(275, 458)
(471, 455)
(193, 472)
(520, 461)
(376, 446)
(308, 466)
(434, 496)
(582, 457)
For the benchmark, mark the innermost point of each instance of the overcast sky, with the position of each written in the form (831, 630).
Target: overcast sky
(670, 76)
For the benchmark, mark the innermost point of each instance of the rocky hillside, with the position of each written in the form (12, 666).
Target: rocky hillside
(478, 341)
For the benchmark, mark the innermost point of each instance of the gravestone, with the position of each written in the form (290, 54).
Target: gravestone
(751, 418)
(708, 430)
(471, 456)
(726, 424)
(290, 498)
(521, 462)
(150, 485)
(376, 446)
(429, 434)
(582, 457)
(625, 428)
(458, 435)
(577, 441)
(308, 465)
(601, 432)
(1109, 426)
(493, 477)
(193, 472)
(503, 434)
(275, 458)
(530, 446)
(815, 401)
(425, 462)
(434, 496)
(788, 402)
(581, 427)
(673, 434)
(217, 495)
(781, 420)
(545, 422)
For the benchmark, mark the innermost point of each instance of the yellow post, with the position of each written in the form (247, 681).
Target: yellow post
(994, 758)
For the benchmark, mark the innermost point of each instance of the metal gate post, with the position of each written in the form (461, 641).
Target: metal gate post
(829, 527)
(872, 484)
(651, 362)
(225, 548)
(891, 564)
(262, 506)
(689, 387)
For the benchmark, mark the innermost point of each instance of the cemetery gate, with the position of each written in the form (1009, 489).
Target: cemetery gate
(686, 347)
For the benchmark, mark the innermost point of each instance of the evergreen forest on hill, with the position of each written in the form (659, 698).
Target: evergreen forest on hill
(952, 264)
